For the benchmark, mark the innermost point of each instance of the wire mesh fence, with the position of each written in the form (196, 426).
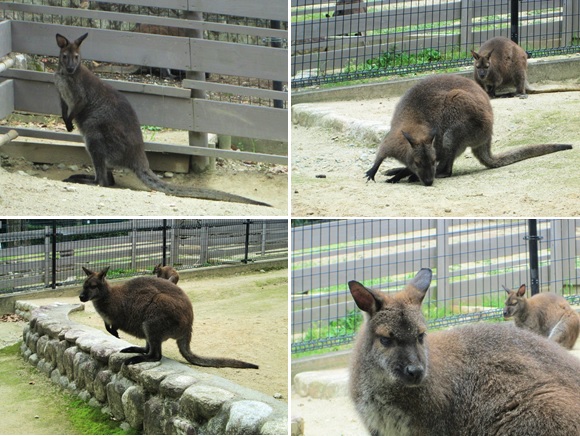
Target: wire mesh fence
(471, 260)
(49, 253)
(355, 39)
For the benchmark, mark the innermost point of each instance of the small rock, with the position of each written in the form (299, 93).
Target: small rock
(278, 396)
(36, 417)
(262, 270)
(61, 166)
(168, 174)
(45, 167)
(73, 167)
(22, 173)
(321, 176)
(448, 210)
(70, 188)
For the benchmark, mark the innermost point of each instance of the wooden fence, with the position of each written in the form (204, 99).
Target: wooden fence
(323, 47)
(31, 29)
(132, 247)
(471, 260)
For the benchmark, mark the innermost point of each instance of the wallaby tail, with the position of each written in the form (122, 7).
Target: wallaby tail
(150, 179)
(483, 154)
(216, 362)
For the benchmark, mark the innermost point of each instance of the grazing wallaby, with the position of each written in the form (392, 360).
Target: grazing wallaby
(546, 314)
(501, 62)
(166, 272)
(110, 128)
(151, 308)
(433, 124)
(349, 7)
(481, 379)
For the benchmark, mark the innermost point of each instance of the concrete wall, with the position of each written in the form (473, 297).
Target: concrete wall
(163, 397)
(539, 70)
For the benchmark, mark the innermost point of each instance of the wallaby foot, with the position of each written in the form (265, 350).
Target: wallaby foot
(113, 330)
(139, 359)
(85, 179)
(399, 174)
(141, 350)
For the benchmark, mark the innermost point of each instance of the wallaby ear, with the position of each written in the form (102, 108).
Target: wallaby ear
(87, 271)
(80, 39)
(475, 55)
(421, 283)
(103, 272)
(158, 266)
(364, 298)
(521, 291)
(61, 40)
(409, 138)
(506, 289)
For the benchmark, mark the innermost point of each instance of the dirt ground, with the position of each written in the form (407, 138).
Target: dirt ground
(546, 186)
(27, 189)
(244, 316)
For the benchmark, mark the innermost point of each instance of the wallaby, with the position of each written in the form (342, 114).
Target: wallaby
(480, 379)
(166, 272)
(110, 128)
(151, 308)
(433, 124)
(546, 314)
(501, 62)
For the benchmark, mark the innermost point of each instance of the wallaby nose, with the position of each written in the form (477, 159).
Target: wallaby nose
(428, 182)
(413, 373)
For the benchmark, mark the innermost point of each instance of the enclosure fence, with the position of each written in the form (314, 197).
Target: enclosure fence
(38, 254)
(471, 261)
(231, 60)
(355, 39)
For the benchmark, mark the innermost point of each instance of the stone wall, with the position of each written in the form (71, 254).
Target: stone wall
(163, 397)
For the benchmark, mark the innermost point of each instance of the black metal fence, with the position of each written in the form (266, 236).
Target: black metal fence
(49, 253)
(354, 39)
(471, 261)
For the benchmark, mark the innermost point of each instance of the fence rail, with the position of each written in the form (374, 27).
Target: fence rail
(168, 38)
(53, 254)
(471, 260)
(394, 37)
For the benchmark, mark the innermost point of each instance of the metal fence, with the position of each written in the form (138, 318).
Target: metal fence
(354, 39)
(49, 253)
(471, 260)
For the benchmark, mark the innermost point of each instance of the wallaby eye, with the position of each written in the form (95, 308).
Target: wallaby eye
(421, 337)
(386, 342)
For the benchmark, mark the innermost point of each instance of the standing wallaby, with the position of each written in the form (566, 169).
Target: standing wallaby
(151, 308)
(501, 62)
(546, 314)
(166, 272)
(478, 380)
(434, 123)
(110, 128)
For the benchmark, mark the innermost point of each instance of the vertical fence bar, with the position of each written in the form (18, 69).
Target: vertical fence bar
(533, 250)
(47, 245)
(204, 244)
(164, 242)
(514, 20)
(277, 85)
(133, 244)
(247, 243)
(53, 264)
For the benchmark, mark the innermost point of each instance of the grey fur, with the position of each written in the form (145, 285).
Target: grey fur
(110, 128)
(435, 122)
(478, 380)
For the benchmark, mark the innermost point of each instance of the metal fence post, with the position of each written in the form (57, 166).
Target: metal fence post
(204, 245)
(247, 244)
(514, 20)
(533, 239)
(164, 242)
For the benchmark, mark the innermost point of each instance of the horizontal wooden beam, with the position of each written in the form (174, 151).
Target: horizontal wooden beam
(267, 94)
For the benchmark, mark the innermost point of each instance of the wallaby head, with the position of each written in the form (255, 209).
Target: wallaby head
(515, 301)
(422, 159)
(395, 330)
(95, 286)
(157, 270)
(481, 63)
(70, 53)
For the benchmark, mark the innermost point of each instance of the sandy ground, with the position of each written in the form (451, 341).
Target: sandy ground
(244, 316)
(33, 190)
(546, 186)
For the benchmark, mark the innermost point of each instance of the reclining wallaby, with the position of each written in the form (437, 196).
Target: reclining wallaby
(110, 128)
(501, 62)
(151, 308)
(482, 379)
(546, 314)
(166, 272)
(434, 123)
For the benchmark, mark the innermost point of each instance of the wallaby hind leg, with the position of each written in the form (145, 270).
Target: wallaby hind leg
(152, 353)
(401, 173)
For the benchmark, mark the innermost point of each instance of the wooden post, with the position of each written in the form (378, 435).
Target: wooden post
(199, 139)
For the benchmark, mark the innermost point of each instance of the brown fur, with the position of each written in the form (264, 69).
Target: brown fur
(435, 122)
(110, 128)
(481, 379)
(500, 62)
(150, 308)
(546, 314)
(166, 272)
